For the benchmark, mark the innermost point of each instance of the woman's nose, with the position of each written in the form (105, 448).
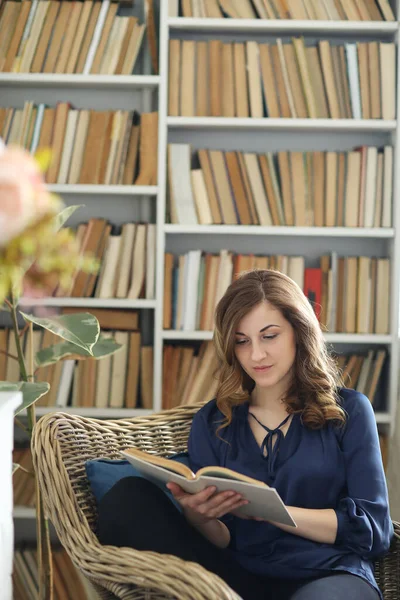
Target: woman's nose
(257, 352)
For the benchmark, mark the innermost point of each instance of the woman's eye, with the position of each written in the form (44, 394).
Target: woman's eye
(269, 337)
(240, 342)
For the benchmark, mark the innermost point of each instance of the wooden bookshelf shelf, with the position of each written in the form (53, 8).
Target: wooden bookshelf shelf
(254, 26)
(90, 302)
(121, 190)
(334, 338)
(347, 232)
(335, 125)
(79, 81)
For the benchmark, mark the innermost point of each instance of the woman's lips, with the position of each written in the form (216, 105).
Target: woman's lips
(266, 368)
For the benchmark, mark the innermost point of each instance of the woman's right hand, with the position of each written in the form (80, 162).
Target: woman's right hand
(205, 506)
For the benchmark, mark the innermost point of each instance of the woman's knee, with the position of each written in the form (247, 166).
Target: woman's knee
(337, 587)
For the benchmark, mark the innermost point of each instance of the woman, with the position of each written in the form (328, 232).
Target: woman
(279, 416)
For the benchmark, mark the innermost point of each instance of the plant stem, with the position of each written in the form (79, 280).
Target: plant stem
(20, 424)
(17, 339)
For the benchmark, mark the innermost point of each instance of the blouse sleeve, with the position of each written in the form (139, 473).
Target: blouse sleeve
(203, 452)
(364, 524)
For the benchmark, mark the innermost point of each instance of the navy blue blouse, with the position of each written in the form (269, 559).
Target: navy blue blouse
(333, 467)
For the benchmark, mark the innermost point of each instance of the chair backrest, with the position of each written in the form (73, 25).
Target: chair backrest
(62, 443)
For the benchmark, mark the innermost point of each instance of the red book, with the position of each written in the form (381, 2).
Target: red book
(313, 288)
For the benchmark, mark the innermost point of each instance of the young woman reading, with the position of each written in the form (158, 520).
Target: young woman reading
(281, 416)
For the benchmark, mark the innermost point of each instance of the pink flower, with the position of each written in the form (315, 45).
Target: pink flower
(24, 198)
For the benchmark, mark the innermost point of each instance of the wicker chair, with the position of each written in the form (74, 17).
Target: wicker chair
(62, 443)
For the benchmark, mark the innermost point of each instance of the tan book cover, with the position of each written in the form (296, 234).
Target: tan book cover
(283, 100)
(202, 203)
(151, 33)
(133, 49)
(317, 84)
(132, 24)
(363, 294)
(257, 186)
(202, 79)
(57, 39)
(60, 124)
(305, 74)
(270, 191)
(8, 23)
(138, 273)
(269, 74)
(104, 38)
(123, 141)
(146, 376)
(382, 296)
(16, 37)
(345, 82)
(148, 149)
(228, 81)
(130, 167)
(339, 80)
(341, 188)
(215, 71)
(44, 41)
(373, 10)
(247, 186)
(124, 267)
(114, 46)
(238, 188)
(331, 201)
(329, 79)
(295, 81)
(350, 282)
(378, 192)
(34, 36)
(386, 10)
(79, 37)
(240, 75)
(46, 132)
(205, 164)
(299, 190)
(374, 80)
(353, 185)
(222, 187)
(132, 380)
(254, 80)
(168, 273)
(363, 70)
(284, 161)
(388, 79)
(119, 370)
(318, 187)
(285, 78)
(100, 253)
(91, 244)
(102, 394)
(174, 78)
(98, 122)
(188, 71)
(88, 37)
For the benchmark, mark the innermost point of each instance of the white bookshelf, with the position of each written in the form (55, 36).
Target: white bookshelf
(282, 26)
(148, 203)
(266, 124)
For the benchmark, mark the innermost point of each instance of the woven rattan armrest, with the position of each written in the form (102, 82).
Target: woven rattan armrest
(160, 574)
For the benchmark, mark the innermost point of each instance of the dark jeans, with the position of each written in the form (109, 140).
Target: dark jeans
(137, 514)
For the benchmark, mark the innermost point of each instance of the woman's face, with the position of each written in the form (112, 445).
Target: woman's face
(265, 347)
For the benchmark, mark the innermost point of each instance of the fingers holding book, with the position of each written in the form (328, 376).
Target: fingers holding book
(206, 505)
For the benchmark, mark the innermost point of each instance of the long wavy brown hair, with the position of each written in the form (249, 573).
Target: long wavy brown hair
(316, 377)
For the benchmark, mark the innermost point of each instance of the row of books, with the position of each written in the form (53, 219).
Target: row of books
(127, 261)
(325, 10)
(88, 146)
(289, 80)
(123, 380)
(50, 36)
(349, 294)
(332, 189)
(68, 581)
(188, 376)
(363, 372)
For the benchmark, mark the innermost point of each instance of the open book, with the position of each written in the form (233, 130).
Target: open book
(264, 502)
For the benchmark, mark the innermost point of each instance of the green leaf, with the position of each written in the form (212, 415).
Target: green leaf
(64, 215)
(81, 329)
(15, 468)
(66, 350)
(31, 392)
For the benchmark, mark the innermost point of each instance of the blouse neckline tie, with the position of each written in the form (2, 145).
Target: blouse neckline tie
(272, 449)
